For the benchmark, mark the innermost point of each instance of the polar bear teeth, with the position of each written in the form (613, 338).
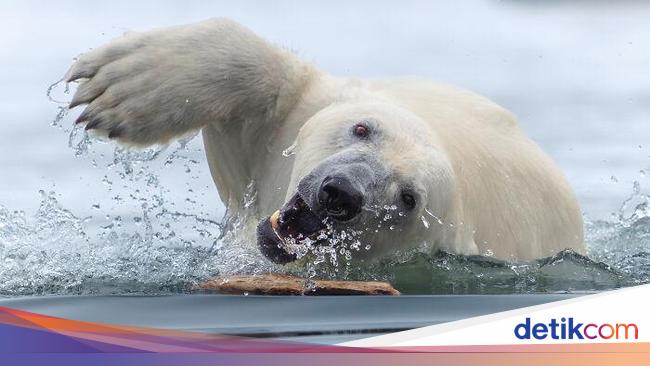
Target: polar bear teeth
(275, 226)
(274, 221)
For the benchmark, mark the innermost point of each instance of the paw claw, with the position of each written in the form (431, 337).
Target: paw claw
(83, 117)
(77, 75)
(116, 132)
(92, 125)
(76, 101)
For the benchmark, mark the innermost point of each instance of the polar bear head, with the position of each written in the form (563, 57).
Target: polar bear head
(365, 174)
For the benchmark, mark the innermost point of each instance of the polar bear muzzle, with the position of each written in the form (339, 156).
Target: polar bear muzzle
(331, 197)
(338, 202)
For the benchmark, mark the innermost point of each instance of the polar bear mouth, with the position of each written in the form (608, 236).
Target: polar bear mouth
(296, 220)
(294, 224)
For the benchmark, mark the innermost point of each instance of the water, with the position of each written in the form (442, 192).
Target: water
(55, 252)
(120, 221)
(156, 248)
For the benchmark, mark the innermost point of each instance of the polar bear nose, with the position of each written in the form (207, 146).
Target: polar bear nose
(340, 199)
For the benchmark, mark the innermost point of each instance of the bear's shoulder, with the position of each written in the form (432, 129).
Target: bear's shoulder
(446, 101)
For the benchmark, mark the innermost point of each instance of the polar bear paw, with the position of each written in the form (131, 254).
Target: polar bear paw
(146, 88)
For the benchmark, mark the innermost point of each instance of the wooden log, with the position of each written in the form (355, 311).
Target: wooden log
(279, 284)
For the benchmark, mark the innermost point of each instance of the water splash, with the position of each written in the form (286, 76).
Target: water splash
(438, 220)
(291, 150)
(54, 92)
(139, 236)
(166, 250)
(250, 195)
(53, 252)
(143, 240)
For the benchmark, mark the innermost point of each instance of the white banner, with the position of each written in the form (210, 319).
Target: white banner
(613, 316)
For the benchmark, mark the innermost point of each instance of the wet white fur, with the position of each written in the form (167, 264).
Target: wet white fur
(492, 187)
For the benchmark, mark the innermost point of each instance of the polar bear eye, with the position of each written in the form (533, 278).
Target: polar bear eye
(409, 200)
(360, 130)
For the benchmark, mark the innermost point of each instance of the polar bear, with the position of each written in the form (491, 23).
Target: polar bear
(385, 165)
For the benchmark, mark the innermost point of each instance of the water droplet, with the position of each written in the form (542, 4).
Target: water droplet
(290, 150)
(432, 215)
(356, 245)
(250, 195)
(424, 221)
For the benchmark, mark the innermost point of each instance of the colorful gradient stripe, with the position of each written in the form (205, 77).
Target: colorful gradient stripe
(34, 339)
